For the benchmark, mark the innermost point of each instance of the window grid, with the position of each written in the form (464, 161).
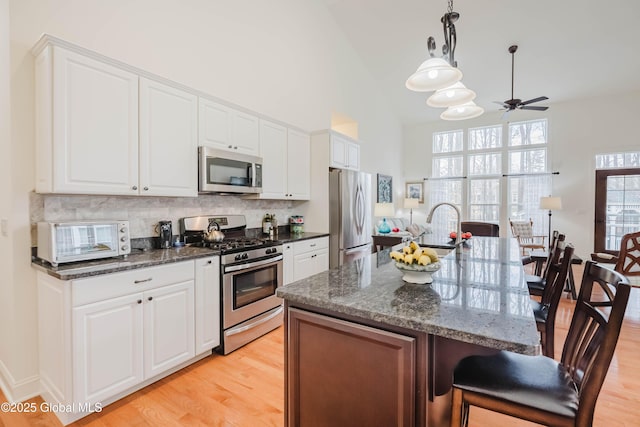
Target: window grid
(479, 161)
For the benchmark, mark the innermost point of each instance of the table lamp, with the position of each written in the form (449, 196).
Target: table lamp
(410, 204)
(552, 204)
(383, 210)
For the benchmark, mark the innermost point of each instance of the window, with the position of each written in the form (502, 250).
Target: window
(488, 179)
(617, 199)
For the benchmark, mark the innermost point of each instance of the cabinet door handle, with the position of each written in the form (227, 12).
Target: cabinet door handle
(150, 298)
(231, 146)
(143, 280)
(135, 187)
(139, 301)
(146, 188)
(312, 245)
(209, 262)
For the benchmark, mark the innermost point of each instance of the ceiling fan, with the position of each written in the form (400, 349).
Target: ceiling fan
(518, 104)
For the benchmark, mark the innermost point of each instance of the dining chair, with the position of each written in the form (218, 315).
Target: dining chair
(628, 262)
(536, 283)
(523, 231)
(478, 228)
(544, 311)
(538, 388)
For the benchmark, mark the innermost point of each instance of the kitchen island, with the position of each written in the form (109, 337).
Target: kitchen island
(365, 348)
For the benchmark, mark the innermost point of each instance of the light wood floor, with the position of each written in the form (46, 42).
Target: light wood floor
(245, 388)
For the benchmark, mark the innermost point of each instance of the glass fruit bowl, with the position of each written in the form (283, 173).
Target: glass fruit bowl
(416, 273)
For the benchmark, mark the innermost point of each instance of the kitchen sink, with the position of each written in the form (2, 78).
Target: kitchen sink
(440, 250)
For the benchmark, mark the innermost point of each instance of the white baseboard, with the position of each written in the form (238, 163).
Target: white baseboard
(17, 391)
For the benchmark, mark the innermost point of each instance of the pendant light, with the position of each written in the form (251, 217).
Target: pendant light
(434, 73)
(455, 94)
(464, 111)
(442, 76)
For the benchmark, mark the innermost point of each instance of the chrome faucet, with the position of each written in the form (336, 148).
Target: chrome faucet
(458, 240)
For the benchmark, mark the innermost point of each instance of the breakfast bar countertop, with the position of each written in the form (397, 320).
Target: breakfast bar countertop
(479, 296)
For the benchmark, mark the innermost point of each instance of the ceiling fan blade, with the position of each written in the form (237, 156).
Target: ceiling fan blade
(531, 101)
(533, 107)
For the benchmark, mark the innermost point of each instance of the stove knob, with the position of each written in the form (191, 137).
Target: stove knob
(245, 256)
(238, 257)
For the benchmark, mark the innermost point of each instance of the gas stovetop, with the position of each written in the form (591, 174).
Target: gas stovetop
(235, 240)
(230, 245)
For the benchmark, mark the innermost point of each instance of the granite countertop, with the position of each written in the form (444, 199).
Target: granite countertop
(145, 258)
(137, 259)
(479, 296)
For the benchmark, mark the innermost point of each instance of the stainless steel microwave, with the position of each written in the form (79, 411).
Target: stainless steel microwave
(60, 242)
(228, 172)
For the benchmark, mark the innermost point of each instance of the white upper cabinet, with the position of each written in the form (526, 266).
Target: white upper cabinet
(273, 150)
(224, 128)
(168, 140)
(101, 129)
(298, 165)
(286, 162)
(345, 153)
(86, 125)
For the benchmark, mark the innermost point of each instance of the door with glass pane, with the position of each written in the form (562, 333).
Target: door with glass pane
(617, 208)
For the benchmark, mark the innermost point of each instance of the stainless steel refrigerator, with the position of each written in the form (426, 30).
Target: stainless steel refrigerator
(349, 216)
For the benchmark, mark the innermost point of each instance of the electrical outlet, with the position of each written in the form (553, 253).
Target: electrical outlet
(4, 227)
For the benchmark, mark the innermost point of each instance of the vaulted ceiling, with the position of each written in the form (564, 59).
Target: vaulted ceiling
(568, 49)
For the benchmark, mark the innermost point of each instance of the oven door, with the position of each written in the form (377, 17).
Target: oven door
(250, 289)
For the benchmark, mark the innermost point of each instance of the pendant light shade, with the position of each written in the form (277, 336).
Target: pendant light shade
(449, 96)
(433, 74)
(462, 112)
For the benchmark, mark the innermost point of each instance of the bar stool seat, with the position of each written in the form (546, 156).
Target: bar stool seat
(532, 381)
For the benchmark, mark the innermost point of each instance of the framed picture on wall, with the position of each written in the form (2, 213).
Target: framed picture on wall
(385, 189)
(415, 190)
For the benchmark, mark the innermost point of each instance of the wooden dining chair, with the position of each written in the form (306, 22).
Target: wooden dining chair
(478, 228)
(544, 311)
(538, 388)
(628, 262)
(535, 283)
(523, 231)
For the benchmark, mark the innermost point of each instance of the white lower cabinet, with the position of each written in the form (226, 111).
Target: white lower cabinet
(310, 257)
(207, 304)
(287, 263)
(107, 347)
(168, 327)
(103, 337)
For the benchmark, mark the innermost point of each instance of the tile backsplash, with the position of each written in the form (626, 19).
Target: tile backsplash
(143, 213)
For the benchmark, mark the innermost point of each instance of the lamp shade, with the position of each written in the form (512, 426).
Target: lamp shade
(410, 203)
(551, 203)
(383, 210)
(465, 111)
(433, 74)
(455, 94)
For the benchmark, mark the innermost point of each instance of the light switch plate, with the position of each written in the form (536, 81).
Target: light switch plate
(4, 227)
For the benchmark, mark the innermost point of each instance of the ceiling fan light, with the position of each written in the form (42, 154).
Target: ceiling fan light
(464, 111)
(433, 74)
(455, 94)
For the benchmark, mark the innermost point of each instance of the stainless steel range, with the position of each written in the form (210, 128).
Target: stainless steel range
(251, 271)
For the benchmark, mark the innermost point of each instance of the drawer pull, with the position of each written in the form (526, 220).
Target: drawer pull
(150, 298)
(312, 245)
(139, 301)
(143, 280)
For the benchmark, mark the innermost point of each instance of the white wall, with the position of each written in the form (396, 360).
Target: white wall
(284, 59)
(577, 132)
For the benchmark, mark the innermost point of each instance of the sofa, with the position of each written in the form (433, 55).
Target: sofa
(406, 232)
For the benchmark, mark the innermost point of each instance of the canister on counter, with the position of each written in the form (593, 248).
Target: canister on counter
(296, 224)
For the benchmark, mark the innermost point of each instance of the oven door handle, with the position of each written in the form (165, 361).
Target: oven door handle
(252, 264)
(241, 329)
